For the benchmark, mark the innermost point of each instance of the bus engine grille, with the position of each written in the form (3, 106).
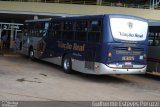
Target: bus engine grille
(127, 51)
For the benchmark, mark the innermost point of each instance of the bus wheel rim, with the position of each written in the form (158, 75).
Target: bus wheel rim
(31, 53)
(66, 64)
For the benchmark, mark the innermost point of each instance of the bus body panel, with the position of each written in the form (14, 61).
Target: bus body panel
(91, 55)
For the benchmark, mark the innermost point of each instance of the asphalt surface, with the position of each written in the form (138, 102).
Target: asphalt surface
(24, 80)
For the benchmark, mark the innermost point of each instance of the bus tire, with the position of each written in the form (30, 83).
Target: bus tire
(67, 64)
(31, 54)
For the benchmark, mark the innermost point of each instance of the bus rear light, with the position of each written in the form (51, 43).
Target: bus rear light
(109, 54)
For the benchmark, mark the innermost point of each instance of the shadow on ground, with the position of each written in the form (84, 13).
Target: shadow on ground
(88, 77)
(150, 76)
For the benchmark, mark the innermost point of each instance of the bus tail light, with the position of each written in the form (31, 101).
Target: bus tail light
(109, 54)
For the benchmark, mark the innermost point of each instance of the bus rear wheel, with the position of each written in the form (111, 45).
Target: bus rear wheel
(67, 64)
(31, 54)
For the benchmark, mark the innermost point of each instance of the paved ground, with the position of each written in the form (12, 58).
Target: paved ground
(24, 80)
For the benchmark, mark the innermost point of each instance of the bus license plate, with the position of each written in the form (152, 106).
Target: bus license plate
(127, 65)
(128, 58)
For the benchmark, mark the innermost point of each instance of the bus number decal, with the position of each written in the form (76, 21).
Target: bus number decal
(128, 58)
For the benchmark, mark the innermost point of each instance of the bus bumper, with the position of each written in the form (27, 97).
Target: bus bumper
(104, 69)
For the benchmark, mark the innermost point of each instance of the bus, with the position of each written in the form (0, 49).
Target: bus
(94, 44)
(153, 59)
(33, 33)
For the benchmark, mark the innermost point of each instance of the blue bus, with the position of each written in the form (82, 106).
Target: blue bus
(97, 44)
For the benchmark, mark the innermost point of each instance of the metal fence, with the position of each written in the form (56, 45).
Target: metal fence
(87, 2)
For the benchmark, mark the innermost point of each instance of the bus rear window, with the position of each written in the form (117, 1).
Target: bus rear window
(128, 29)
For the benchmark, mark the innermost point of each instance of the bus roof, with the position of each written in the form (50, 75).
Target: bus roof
(100, 16)
(35, 20)
(87, 16)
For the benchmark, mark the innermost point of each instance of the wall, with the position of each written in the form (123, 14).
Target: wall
(54, 8)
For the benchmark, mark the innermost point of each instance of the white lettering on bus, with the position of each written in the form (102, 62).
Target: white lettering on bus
(131, 35)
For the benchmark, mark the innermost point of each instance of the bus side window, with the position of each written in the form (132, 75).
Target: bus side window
(37, 29)
(151, 38)
(94, 35)
(45, 28)
(82, 25)
(50, 31)
(25, 34)
(56, 25)
(81, 30)
(157, 42)
(95, 25)
(154, 39)
(56, 30)
(68, 32)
